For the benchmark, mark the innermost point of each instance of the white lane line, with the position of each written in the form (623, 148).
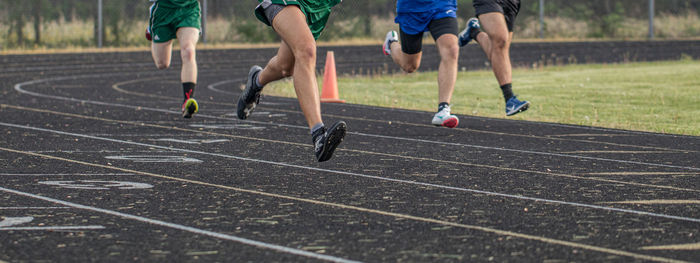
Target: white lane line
(18, 88)
(11, 221)
(51, 228)
(66, 174)
(643, 213)
(184, 228)
(32, 207)
(212, 87)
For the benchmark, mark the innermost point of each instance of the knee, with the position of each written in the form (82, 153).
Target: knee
(188, 53)
(306, 53)
(161, 64)
(451, 53)
(410, 68)
(499, 42)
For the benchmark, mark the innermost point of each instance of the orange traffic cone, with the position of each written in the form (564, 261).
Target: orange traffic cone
(329, 92)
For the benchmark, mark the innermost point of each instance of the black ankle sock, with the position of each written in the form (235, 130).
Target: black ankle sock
(188, 89)
(442, 105)
(507, 91)
(474, 33)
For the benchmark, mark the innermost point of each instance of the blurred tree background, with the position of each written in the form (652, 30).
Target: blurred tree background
(30, 24)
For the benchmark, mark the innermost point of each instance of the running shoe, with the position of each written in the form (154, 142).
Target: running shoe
(391, 37)
(465, 35)
(325, 141)
(513, 106)
(250, 97)
(444, 118)
(189, 108)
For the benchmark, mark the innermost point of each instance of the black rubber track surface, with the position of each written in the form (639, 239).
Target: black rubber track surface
(98, 165)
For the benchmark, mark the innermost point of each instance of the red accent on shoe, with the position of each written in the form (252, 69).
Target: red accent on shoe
(451, 122)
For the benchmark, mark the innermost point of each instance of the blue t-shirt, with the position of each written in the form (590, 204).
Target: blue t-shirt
(419, 6)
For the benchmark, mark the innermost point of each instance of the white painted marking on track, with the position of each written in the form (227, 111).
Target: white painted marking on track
(155, 159)
(535, 199)
(228, 126)
(64, 174)
(32, 207)
(191, 141)
(97, 184)
(52, 228)
(186, 228)
(18, 88)
(241, 80)
(13, 221)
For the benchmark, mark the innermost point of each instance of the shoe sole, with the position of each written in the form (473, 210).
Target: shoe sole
(335, 137)
(449, 123)
(518, 110)
(244, 109)
(191, 107)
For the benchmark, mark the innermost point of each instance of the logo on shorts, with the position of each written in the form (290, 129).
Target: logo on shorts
(449, 11)
(156, 38)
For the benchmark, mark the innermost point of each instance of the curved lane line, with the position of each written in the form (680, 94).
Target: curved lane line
(18, 87)
(342, 206)
(183, 228)
(465, 130)
(468, 190)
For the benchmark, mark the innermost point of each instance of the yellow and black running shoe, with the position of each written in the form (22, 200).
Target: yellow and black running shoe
(189, 108)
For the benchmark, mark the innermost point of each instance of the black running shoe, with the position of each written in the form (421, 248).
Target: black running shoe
(250, 97)
(326, 140)
(189, 108)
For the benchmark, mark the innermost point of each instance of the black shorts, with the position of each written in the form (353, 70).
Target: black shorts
(509, 9)
(413, 44)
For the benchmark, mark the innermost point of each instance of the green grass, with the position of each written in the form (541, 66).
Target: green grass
(659, 97)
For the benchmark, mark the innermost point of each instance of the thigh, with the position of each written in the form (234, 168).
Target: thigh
(162, 51)
(411, 44)
(494, 24)
(442, 26)
(187, 36)
(508, 8)
(290, 24)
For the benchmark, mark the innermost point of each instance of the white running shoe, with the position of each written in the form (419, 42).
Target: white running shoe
(391, 36)
(444, 118)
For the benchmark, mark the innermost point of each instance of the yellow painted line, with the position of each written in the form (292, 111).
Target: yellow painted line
(351, 150)
(656, 202)
(367, 210)
(693, 246)
(627, 152)
(465, 130)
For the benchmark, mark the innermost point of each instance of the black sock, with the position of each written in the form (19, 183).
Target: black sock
(507, 91)
(442, 105)
(188, 89)
(474, 33)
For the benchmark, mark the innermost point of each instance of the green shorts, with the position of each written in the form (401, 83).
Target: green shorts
(316, 12)
(165, 21)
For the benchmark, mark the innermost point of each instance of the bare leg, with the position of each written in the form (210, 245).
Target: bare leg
(291, 25)
(188, 37)
(447, 72)
(408, 62)
(279, 66)
(496, 45)
(161, 53)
